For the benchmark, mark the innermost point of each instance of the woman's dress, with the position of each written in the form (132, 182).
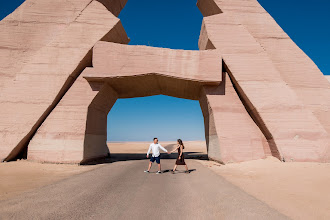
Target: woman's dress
(181, 160)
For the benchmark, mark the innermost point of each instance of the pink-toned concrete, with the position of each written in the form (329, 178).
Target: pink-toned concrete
(44, 45)
(286, 120)
(231, 134)
(262, 96)
(111, 59)
(154, 71)
(328, 78)
(75, 130)
(296, 69)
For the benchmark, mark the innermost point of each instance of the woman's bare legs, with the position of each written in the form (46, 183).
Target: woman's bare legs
(175, 166)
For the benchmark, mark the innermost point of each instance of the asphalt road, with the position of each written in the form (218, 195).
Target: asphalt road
(121, 190)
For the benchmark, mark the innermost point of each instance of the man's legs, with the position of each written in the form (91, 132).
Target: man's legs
(150, 164)
(152, 159)
(158, 162)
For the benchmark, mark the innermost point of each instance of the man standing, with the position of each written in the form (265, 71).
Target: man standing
(154, 147)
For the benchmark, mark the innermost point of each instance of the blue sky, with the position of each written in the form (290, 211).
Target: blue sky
(176, 24)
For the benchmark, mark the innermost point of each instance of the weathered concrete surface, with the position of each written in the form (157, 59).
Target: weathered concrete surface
(231, 134)
(296, 69)
(131, 71)
(111, 59)
(274, 86)
(43, 48)
(136, 71)
(274, 104)
(75, 130)
(37, 23)
(328, 78)
(121, 190)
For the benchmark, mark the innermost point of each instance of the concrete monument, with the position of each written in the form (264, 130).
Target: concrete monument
(63, 65)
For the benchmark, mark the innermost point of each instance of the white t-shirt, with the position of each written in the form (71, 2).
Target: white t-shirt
(155, 149)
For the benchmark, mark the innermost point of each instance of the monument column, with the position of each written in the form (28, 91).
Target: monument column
(76, 129)
(230, 132)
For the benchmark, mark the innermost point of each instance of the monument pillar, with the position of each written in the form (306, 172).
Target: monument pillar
(75, 130)
(230, 132)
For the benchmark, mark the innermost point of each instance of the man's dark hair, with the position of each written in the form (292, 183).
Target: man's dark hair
(155, 138)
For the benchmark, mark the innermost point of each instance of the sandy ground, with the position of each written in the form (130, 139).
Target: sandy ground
(298, 190)
(22, 176)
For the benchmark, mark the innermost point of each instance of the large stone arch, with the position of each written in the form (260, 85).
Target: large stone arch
(274, 93)
(121, 71)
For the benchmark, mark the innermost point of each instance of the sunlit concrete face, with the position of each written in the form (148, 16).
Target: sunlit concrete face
(259, 93)
(137, 71)
(283, 90)
(44, 46)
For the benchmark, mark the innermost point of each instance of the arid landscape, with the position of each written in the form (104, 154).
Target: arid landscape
(299, 190)
(74, 74)
(296, 189)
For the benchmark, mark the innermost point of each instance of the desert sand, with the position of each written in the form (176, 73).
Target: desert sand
(22, 176)
(299, 190)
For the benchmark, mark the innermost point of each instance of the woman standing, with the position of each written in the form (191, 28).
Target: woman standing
(180, 159)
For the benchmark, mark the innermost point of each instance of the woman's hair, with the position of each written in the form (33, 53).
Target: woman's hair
(181, 143)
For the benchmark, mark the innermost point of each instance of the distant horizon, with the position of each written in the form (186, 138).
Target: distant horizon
(151, 141)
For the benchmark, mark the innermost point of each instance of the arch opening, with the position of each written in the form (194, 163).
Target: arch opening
(112, 90)
(134, 122)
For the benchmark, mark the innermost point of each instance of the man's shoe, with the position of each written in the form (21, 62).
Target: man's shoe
(146, 171)
(172, 171)
(158, 172)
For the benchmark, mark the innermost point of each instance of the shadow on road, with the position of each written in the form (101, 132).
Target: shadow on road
(115, 157)
(179, 171)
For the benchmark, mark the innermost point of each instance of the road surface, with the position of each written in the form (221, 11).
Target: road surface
(121, 190)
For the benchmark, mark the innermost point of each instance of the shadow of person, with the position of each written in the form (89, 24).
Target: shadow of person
(180, 171)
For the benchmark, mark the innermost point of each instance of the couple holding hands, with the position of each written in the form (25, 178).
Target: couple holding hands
(155, 147)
